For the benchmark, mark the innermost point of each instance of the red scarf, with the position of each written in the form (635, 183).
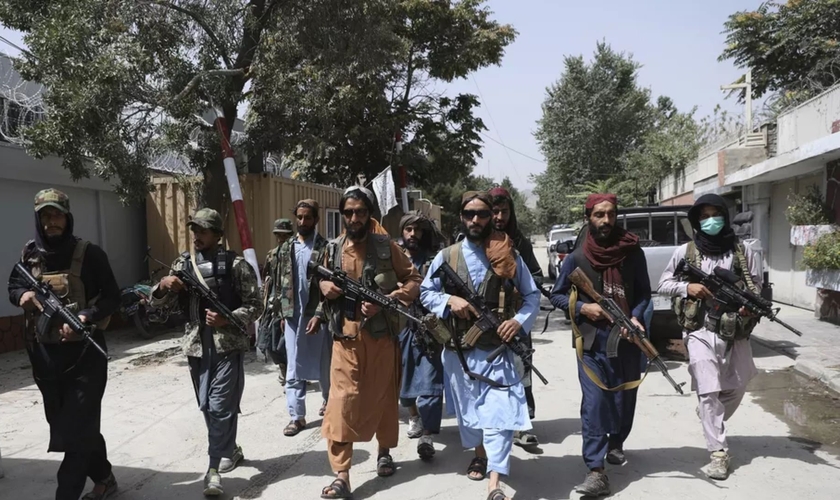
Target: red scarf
(606, 260)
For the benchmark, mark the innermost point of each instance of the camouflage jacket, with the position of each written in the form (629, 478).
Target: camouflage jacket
(226, 339)
(269, 290)
(285, 291)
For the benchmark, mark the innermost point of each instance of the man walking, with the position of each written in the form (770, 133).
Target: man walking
(720, 356)
(365, 369)
(214, 347)
(271, 339)
(487, 416)
(307, 344)
(70, 375)
(422, 372)
(613, 260)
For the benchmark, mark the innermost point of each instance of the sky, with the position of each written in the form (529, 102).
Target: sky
(676, 41)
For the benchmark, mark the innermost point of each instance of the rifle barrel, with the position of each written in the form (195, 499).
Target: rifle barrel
(792, 329)
(664, 369)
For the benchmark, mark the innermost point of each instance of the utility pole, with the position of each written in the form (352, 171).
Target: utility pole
(747, 85)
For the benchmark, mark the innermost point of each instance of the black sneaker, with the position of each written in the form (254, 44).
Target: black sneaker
(616, 456)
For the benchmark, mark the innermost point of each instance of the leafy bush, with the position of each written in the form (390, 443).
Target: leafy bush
(808, 209)
(824, 253)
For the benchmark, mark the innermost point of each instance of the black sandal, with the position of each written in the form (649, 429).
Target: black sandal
(294, 428)
(478, 465)
(337, 489)
(385, 465)
(323, 409)
(497, 494)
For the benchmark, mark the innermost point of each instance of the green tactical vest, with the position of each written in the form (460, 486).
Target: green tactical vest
(285, 282)
(692, 313)
(377, 264)
(499, 294)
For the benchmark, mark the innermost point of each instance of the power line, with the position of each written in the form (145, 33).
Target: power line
(496, 128)
(7, 42)
(513, 150)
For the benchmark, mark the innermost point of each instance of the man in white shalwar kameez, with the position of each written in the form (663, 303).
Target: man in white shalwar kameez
(487, 416)
(720, 356)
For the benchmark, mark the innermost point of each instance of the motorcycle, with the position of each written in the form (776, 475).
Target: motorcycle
(149, 321)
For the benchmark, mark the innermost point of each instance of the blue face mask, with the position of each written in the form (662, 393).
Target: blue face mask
(712, 226)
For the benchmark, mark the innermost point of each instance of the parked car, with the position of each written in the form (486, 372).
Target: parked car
(555, 236)
(660, 230)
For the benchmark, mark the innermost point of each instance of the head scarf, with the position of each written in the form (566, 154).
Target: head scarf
(721, 243)
(476, 195)
(498, 246)
(606, 257)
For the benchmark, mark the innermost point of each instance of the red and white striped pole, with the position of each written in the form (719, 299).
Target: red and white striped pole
(236, 197)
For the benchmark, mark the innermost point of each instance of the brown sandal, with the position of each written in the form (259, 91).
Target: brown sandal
(294, 428)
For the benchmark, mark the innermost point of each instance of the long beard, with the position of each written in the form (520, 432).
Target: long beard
(306, 231)
(600, 237)
(481, 236)
(412, 244)
(357, 234)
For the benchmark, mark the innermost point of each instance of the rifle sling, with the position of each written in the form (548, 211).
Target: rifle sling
(633, 384)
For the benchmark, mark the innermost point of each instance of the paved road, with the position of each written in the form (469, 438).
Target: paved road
(157, 440)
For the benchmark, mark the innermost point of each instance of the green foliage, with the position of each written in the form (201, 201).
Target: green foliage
(824, 253)
(524, 215)
(791, 47)
(328, 84)
(808, 209)
(448, 195)
(600, 132)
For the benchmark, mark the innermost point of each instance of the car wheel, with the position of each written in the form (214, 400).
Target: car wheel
(552, 273)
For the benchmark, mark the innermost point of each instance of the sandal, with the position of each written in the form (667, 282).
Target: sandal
(525, 439)
(323, 409)
(337, 489)
(479, 466)
(110, 484)
(294, 428)
(497, 494)
(385, 465)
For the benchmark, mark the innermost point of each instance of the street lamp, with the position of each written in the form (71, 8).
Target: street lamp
(747, 100)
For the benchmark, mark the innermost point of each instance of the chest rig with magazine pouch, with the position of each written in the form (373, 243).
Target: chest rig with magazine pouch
(694, 314)
(499, 294)
(68, 286)
(215, 272)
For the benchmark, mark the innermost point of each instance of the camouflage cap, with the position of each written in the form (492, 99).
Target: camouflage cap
(208, 219)
(52, 198)
(282, 226)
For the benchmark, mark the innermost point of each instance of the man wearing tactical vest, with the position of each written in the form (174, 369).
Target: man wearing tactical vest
(504, 219)
(214, 347)
(307, 343)
(720, 357)
(422, 372)
(365, 369)
(70, 375)
(615, 263)
(270, 338)
(486, 261)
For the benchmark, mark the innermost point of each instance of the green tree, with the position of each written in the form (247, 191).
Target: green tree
(448, 195)
(328, 83)
(791, 47)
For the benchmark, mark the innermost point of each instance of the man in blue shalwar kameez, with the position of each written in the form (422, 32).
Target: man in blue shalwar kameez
(308, 346)
(487, 416)
(615, 263)
(422, 372)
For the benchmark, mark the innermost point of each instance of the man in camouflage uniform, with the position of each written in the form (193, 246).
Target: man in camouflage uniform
(70, 375)
(213, 346)
(270, 339)
(307, 343)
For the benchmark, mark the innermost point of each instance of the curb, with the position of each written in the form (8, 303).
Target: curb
(813, 368)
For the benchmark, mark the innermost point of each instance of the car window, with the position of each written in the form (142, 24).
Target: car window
(638, 226)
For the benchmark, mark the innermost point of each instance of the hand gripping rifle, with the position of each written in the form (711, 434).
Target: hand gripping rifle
(487, 321)
(724, 286)
(199, 289)
(619, 319)
(54, 308)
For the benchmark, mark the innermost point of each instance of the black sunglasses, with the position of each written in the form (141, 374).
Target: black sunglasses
(361, 212)
(471, 214)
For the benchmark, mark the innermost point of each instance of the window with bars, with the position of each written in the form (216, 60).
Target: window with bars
(333, 223)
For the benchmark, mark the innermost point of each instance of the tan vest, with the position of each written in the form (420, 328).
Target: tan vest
(68, 286)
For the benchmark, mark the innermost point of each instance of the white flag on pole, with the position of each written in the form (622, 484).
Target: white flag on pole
(386, 194)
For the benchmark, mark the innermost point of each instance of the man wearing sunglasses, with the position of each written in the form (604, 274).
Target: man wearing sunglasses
(486, 261)
(365, 368)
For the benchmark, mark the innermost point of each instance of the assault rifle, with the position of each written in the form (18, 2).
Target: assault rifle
(488, 320)
(619, 319)
(724, 286)
(353, 290)
(196, 287)
(54, 308)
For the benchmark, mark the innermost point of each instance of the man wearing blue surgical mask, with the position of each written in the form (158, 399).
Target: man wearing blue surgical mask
(720, 357)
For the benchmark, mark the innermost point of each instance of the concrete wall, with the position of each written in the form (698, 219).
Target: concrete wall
(98, 216)
(809, 121)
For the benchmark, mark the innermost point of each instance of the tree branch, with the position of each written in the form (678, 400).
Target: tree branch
(220, 48)
(197, 78)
